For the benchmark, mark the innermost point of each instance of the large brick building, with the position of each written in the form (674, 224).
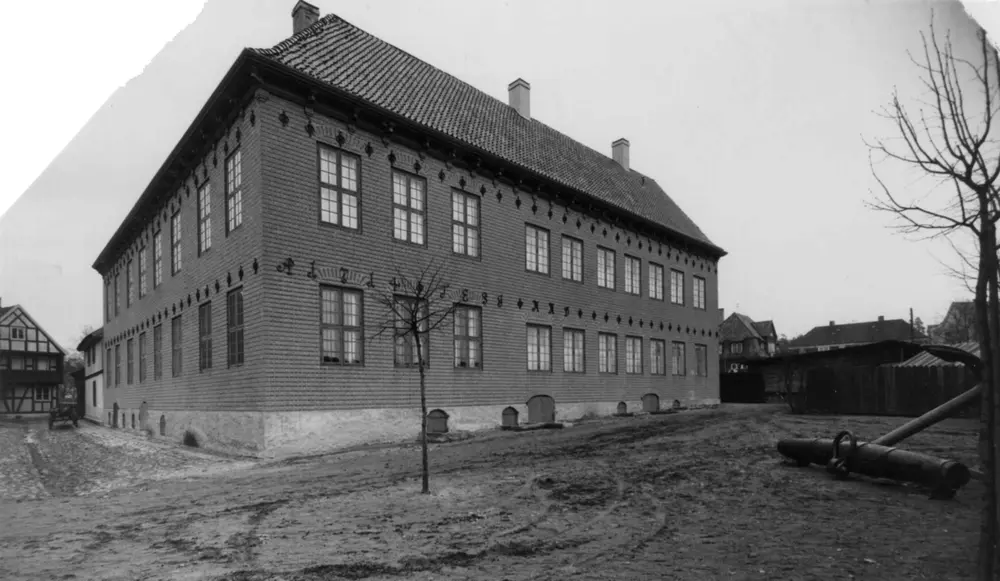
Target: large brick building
(241, 289)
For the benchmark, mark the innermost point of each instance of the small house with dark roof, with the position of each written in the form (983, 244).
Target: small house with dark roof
(93, 377)
(742, 338)
(834, 336)
(31, 364)
(242, 289)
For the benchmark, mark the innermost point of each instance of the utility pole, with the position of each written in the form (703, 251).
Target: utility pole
(911, 325)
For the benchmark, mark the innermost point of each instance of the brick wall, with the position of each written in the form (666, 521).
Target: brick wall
(218, 388)
(297, 380)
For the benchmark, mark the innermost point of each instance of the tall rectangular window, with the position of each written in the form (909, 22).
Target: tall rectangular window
(464, 223)
(205, 336)
(158, 352)
(607, 353)
(142, 357)
(176, 354)
(573, 350)
(468, 337)
(701, 360)
(657, 356)
(204, 218)
(676, 287)
(157, 258)
(655, 281)
(605, 268)
(572, 259)
(143, 279)
(175, 243)
(109, 368)
(234, 327)
(539, 348)
(234, 191)
(118, 294)
(409, 311)
(536, 249)
(129, 285)
(408, 207)
(340, 326)
(698, 293)
(109, 306)
(633, 279)
(130, 361)
(338, 188)
(679, 363)
(118, 365)
(633, 355)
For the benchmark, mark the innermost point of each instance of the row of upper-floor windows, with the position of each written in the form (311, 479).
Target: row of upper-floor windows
(138, 351)
(339, 205)
(28, 363)
(538, 258)
(139, 270)
(29, 339)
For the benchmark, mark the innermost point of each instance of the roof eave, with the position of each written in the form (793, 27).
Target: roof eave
(185, 142)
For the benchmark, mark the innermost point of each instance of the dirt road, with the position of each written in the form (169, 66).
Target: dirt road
(692, 496)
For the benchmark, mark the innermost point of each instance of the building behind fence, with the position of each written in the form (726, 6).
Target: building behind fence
(893, 378)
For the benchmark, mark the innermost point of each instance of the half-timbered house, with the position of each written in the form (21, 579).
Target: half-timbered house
(31, 364)
(241, 291)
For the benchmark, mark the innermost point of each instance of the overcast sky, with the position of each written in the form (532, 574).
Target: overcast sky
(749, 113)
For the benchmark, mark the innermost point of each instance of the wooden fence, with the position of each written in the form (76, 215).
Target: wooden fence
(889, 391)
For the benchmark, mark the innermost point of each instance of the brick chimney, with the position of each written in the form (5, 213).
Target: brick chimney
(881, 318)
(832, 323)
(303, 16)
(619, 152)
(519, 93)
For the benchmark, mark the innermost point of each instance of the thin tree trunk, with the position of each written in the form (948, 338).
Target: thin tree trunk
(994, 330)
(426, 487)
(988, 522)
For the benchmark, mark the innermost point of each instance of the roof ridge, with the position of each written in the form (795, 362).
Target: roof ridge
(311, 30)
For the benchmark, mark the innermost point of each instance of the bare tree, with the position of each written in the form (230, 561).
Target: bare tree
(950, 138)
(414, 306)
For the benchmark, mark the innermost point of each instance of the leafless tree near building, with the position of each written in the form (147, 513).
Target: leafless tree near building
(950, 137)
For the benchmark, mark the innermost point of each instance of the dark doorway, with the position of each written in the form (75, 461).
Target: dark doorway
(541, 409)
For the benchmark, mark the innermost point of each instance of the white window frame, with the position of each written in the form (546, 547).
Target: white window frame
(605, 268)
(633, 275)
(538, 339)
(572, 259)
(536, 249)
(574, 349)
(656, 281)
(607, 353)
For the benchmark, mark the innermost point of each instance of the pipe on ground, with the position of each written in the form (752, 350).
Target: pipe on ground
(943, 477)
(930, 418)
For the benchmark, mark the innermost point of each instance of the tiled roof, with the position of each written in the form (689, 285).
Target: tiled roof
(765, 328)
(870, 332)
(339, 54)
(925, 359)
(3, 310)
(738, 327)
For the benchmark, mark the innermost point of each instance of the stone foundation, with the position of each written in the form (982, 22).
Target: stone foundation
(282, 434)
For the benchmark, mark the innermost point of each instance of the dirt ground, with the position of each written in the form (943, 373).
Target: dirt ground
(693, 496)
